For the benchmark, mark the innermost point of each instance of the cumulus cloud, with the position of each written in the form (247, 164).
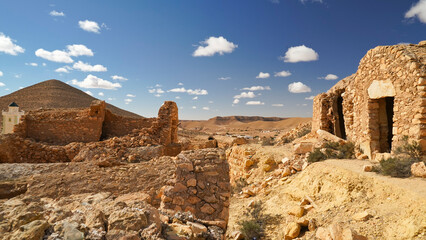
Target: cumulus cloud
(329, 77)
(119, 78)
(89, 93)
(263, 75)
(44, 64)
(31, 64)
(2, 84)
(55, 56)
(189, 91)
(277, 105)
(177, 97)
(236, 101)
(8, 46)
(214, 45)
(180, 84)
(195, 98)
(300, 54)
(245, 95)
(85, 67)
(57, 14)
(76, 50)
(282, 74)
(206, 108)
(94, 82)
(224, 78)
(130, 95)
(194, 107)
(255, 103)
(298, 87)
(62, 70)
(156, 91)
(257, 88)
(417, 10)
(101, 94)
(89, 26)
(1, 73)
(310, 98)
(128, 100)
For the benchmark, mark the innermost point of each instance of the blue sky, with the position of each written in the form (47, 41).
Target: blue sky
(211, 57)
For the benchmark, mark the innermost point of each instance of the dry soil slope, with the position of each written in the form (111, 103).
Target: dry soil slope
(243, 122)
(54, 94)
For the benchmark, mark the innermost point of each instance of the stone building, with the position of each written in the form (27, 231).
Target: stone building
(11, 118)
(384, 101)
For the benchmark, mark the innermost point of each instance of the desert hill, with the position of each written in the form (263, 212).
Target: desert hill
(244, 122)
(54, 94)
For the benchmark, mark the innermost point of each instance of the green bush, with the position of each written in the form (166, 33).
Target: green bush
(332, 150)
(253, 226)
(395, 167)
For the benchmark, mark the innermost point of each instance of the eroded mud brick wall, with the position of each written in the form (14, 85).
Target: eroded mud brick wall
(202, 185)
(61, 127)
(384, 101)
(117, 126)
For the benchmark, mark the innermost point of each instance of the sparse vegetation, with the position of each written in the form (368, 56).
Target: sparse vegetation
(330, 150)
(253, 226)
(400, 165)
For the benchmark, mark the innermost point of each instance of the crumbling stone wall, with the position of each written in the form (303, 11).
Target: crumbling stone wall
(202, 186)
(117, 126)
(395, 73)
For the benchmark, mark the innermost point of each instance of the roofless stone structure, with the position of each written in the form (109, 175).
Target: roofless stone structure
(381, 103)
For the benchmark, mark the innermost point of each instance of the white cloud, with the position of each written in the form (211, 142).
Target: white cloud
(418, 10)
(128, 100)
(206, 108)
(278, 105)
(130, 95)
(111, 99)
(310, 98)
(180, 84)
(76, 50)
(189, 91)
(7, 46)
(283, 74)
(1, 73)
(2, 84)
(85, 67)
(236, 101)
(195, 98)
(89, 26)
(300, 54)
(214, 45)
(157, 95)
(329, 77)
(298, 87)
(62, 70)
(89, 93)
(31, 64)
(157, 91)
(57, 14)
(158, 85)
(44, 64)
(94, 82)
(257, 88)
(263, 75)
(210, 102)
(245, 95)
(177, 97)
(18, 75)
(194, 107)
(101, 94)
(55, 56)
(224, 78)
(255, 103)
(119, 78)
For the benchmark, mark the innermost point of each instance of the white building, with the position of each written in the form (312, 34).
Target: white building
(11, 118)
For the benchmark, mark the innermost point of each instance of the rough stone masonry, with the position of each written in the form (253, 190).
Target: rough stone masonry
(384, 101)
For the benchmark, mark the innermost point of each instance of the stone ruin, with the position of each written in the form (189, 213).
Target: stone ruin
(63, 135)
(384, 101)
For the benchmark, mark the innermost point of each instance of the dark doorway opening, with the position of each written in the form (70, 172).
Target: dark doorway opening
(386, 123)
(340, 124)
